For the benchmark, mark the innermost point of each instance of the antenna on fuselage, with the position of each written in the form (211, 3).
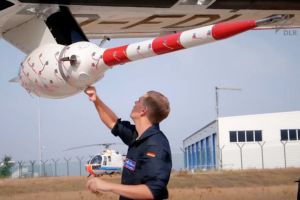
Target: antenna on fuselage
(104, 40)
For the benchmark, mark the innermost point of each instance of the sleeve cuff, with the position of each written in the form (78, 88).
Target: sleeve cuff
(114, 130)
(158, 193)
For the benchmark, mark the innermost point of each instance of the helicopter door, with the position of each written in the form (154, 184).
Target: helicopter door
(104, 160)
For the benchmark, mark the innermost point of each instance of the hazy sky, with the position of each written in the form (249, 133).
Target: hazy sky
(264, 64)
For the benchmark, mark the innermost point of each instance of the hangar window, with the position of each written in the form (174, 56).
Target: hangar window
(290, 134)
(241, 136)
(284, 135)
(293, 135)
(232, 135)
(245, 136)
(249, 136)
(258, 136)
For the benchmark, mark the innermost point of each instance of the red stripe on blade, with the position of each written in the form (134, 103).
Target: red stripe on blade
(115, 56)
(166, 44)
(228, 29)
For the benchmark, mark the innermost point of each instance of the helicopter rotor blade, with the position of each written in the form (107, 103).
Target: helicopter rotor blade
(106, 145)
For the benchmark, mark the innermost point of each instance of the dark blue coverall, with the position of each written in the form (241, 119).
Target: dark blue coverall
(148, 159)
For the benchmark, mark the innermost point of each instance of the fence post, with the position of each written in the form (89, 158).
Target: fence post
(284, 151)
(44, 166)
(32, 162)
(80, 160)
(20, 163)
(55, 166)
(241, 153)
(67, 161)
(221, 156)
(261, 144)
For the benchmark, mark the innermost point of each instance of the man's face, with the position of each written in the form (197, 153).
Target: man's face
(138, 109)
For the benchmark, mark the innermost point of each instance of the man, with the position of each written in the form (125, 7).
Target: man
(148, 164)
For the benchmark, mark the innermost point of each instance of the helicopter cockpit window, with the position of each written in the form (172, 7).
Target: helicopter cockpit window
(109, 159)
(96, 160)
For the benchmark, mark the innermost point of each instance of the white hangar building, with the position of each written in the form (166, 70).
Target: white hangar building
(246, 142)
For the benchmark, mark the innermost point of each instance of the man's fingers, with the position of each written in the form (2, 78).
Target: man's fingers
(91, 186)
(91, 92)
(88, 183)
(88, 91)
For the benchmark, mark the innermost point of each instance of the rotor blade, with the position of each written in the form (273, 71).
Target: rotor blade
(90, 145)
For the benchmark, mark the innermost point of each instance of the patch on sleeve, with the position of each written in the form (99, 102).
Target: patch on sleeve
(130, 164)
(151, 154)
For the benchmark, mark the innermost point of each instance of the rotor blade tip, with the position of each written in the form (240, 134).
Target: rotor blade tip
(14, 80)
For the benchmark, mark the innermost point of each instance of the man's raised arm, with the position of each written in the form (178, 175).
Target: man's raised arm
(107, 116)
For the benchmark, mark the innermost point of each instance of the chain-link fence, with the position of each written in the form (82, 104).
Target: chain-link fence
(256, 155)
(66, 166)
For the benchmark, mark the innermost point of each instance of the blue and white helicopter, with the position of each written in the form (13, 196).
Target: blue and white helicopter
(108, 162)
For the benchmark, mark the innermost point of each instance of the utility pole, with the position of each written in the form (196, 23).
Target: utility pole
(217, 96)
(39, 135)
(220, 165)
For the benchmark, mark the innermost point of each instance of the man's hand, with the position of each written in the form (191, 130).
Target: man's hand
(107, 116)
(97, 185)
(91, 92)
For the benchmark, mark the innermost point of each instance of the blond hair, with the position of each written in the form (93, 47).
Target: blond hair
(158, 106)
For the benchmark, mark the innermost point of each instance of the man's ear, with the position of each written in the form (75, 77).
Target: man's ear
(144, 111)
